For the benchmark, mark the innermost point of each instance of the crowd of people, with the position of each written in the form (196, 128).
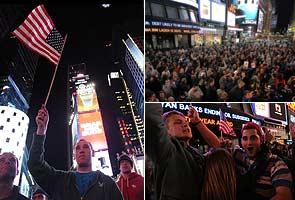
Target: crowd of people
(83, 183)
(263, 70)
(258, 169)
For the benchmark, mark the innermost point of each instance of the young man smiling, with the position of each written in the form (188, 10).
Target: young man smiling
(261, 175)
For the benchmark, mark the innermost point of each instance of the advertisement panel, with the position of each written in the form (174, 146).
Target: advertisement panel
(291, 118)
(217, 12)
(91, 129)
(260, 21)
(261, 109)
(204, 10)
(86, 98)
(231, 19)
(278, 111)
(210, 114)
(247, 10)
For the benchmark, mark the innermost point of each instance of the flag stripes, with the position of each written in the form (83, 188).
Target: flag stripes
(224, 126)
(34, 31)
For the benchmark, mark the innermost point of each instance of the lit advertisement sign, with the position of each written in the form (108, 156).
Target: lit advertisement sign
(261, 109)
(291, 106)
(204, 9)
(249, 10)
(210, 114)
(231, 19)
(86, 98)
(260, 22)
(188, 2)
(91, 129)
(291, 118)
(218, 12)
(278, 111)
(271, 110)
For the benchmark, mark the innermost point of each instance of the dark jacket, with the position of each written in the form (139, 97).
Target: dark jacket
(16, 195)
(132, 187)
(179, 170)
(61, 184)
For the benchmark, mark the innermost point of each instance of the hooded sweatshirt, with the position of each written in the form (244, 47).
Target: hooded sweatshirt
(132, 187)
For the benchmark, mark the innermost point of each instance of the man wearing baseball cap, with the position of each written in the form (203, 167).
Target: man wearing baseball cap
(40, 194)
(130, 183)
(261, 175)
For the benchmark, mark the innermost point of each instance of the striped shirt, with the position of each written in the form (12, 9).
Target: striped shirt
(276, 173)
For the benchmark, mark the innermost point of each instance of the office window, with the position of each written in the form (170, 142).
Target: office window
(147, 9)
(183, 14)
(172, 12)
(193, 16)
(157, 10)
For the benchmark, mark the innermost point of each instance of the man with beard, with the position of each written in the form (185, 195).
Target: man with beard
(130, 183)
(8, 171)
(179, 167)
(60, 185)
(261, 175)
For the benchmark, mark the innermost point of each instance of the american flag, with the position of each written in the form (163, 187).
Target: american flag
(223, 125)
(39, 34)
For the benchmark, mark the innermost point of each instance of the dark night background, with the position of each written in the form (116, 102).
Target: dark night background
(284, 9)
(89, 29)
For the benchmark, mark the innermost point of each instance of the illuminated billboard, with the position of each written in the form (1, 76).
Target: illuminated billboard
(218, 12)
(261, 109)
(86, 98)
(91, 129)
(231, 19)
(204, 9)
(271, 110)
(260, 21)
(247, 10)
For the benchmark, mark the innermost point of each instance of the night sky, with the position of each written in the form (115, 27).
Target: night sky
(89, 29)
(284, 9)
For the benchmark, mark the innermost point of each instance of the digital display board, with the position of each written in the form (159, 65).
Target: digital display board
(210, 114)
(278, 111)
(217, 12)
(261, 109)
(231, 19)
(86, 98)
(188, 2)
(260, 21)
(248, 10)
(91, 129)
(275, 111)
(204, 9)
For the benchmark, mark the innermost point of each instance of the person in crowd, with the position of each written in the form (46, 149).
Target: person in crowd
(179, 168)
(8, 172)
(60, 185)
(220, 177)
(149, 179)
(130, 183)
(40, 194)
(260, 174)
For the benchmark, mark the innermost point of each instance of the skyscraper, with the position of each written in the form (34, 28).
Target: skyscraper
(18, 66)
(129, 121)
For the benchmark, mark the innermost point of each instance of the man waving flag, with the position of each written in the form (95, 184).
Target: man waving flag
(39, 34)
(223, 125)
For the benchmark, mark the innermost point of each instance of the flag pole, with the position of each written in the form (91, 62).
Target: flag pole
(55, 70)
